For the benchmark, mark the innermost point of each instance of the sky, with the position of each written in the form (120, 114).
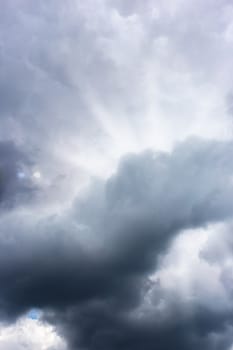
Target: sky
(116, 175)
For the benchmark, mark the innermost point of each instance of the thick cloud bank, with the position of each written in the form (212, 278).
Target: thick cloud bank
(89, 269)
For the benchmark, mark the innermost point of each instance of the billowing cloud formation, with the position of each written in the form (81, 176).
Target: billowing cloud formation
(116, 172)
(91, 266)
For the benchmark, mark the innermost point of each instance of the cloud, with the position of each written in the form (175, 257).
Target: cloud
(19, 336)
(90, 266)
(15, 184)
(122, 111)
(102, 82)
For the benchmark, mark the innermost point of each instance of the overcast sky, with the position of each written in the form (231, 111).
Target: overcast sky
(116, 175)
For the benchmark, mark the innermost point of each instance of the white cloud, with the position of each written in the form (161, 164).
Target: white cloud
(30, 334)
(187, 272)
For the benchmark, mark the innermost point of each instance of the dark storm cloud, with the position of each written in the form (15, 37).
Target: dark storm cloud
(14, 184)
(90, 266)
(104, 327)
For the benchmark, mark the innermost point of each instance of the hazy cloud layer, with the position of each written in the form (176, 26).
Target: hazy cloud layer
(116, 162)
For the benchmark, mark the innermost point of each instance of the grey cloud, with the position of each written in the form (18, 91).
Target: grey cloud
(13, 187)
(105, 328)
(218, 252)
(90, 266)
